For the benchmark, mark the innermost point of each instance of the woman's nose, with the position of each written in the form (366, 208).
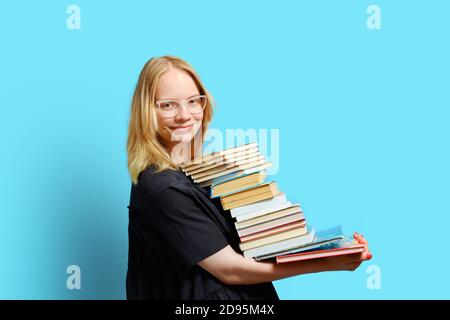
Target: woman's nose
(184, 113)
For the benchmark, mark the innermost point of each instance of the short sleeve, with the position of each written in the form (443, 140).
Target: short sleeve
(189, 231)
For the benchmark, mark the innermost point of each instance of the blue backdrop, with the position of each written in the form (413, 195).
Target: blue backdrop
(362, 116)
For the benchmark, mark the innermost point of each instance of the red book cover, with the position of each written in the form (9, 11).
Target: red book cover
(356, 248)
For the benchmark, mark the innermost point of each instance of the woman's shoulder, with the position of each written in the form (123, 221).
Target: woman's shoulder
(153, 182)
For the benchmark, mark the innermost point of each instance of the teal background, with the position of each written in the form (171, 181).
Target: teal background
(363, 118)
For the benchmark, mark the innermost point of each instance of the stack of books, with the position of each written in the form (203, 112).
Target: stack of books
(267, 223)
(265, 220)
(225, 165)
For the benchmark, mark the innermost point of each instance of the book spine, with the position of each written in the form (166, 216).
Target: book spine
(269, 216)
(252, 199)
(272, 231)
(280, 246)
(277, 200)
(253, 190)
(269, 224)
(261, 212)
(239, 190)
(272, 239)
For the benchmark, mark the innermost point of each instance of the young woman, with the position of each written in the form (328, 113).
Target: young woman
(182, 245)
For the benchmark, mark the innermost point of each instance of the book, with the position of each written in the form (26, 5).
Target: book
(269, 216)
(316, 254)
(281, 245)
(238, 184)
(321, 238)
(208, 171)
(255, 214)
(216, 154)
(220, 160)
(234, 174)
(252, 195)
(268, 186)
(298, 216)
(230, 169)
(272, 239)
(260, 205)
(275, 230)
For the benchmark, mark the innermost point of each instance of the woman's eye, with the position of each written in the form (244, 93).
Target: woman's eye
(166, 105)
(193, 101)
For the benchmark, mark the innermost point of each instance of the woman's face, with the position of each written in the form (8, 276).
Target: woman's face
(176, 84)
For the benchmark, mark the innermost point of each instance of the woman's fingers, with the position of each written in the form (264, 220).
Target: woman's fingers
(360, 238)
(366, 254)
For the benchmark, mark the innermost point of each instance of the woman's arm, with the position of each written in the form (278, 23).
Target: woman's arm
(232, 268)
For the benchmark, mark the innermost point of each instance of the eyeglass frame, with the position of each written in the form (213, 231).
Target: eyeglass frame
(182, 102)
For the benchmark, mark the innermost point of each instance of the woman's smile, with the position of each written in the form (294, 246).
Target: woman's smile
(183, 128)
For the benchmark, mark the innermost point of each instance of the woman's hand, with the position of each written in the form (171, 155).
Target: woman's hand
(349, 262)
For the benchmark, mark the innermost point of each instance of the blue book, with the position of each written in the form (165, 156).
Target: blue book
(235, 174)
(322, 239)
(229, 177)
(237, 190)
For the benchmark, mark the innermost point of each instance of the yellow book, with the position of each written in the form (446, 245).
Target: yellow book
(243, 202)
(262, 188)
(255, 158)
(239, 183)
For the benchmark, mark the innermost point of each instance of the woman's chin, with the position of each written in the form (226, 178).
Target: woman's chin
(182, 137)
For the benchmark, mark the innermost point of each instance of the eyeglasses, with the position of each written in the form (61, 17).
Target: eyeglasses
(171, 108)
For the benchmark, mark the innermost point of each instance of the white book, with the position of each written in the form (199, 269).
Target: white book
(281, 245)
(233, 168)
(308, 246)
(264, 204)
(262, 212)
(295, 217)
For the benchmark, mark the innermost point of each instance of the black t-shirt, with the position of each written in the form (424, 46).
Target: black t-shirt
(173, 224)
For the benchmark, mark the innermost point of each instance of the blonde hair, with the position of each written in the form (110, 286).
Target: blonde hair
(144, 146)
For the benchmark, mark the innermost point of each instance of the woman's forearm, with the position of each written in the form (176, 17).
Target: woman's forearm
(250, 271)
